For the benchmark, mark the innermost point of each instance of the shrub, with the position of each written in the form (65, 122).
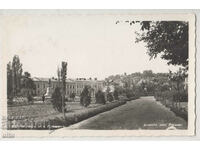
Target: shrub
(179, 113)
(116, 95)
(85, 98)
(181, 96)
(100, 98)
(72, 96)
(130, 93)
(110, 97)
(132, 98)
(175, 97)
(66, 99)
(9, 101)
(30, 98)
(57, 100)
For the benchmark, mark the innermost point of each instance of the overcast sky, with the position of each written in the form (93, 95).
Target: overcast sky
(93, 46)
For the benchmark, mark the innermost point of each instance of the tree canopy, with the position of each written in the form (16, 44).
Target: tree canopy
(168, 38)
(27, 82)
(85, 97)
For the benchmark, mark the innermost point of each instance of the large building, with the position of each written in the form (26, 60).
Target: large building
(42, 84)
(72, 85)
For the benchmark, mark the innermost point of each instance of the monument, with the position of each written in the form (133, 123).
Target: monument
(48, 93)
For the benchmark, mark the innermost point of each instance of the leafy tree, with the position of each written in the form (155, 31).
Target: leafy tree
(178, 77)
(147, 73)
(129, 93)
(168, 38)
(119, 89)
(72, 95)
(115, 94)
(110, 97)
(26, 82)
(100, 98)
(85, 98)
(57, 100)
(108, 90)
(30, 98)
(164, 87)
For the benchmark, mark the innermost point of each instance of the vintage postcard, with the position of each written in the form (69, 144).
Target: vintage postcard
(96, 74)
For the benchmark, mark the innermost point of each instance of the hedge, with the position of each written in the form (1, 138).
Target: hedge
(132, 98)
(77, 117)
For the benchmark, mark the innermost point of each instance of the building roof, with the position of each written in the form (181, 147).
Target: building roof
(67, 80)
(40, 79)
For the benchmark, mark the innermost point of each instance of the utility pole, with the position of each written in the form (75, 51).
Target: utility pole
(64, 75)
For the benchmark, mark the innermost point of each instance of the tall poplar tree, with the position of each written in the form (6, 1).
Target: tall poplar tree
(16, 75)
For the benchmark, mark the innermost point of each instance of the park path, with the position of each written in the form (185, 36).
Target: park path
(143, 113)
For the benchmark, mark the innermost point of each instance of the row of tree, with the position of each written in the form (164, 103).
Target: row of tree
(85, 97)
(18, 83)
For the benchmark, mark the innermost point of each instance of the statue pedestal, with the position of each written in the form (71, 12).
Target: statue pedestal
(48, 93)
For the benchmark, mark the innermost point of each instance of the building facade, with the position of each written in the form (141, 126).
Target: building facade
(72, 85)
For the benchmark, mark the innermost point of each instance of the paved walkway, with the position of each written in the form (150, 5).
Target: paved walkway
(143, 113)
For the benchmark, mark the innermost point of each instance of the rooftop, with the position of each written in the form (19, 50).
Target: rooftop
(67, 80)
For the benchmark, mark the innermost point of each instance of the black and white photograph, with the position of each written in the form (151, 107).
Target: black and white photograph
(84, 73)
